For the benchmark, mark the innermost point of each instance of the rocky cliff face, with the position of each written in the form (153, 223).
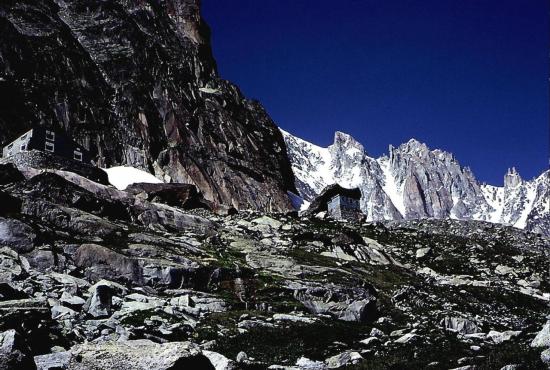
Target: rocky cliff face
(414, 182)
(135, 82)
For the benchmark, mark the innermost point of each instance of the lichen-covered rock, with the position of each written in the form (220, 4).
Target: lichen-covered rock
(53, 361)
(345, 304)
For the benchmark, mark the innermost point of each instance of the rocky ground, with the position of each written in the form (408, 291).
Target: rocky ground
(96, 278)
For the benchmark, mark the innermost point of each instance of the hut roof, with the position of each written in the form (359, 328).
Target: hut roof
(319, 204)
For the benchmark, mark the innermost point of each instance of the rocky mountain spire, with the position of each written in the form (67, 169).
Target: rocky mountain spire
(512, 179)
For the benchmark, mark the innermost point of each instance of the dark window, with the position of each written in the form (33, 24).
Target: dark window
(50, 147)
(50, 135)
(24, 147)
(77, 155)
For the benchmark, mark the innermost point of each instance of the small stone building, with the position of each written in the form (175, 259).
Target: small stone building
(345, 205)
(339, 203)
(48, 141)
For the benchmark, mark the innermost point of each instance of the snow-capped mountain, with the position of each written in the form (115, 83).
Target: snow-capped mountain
(413, 182)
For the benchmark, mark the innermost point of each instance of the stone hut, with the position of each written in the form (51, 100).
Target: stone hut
(339, 203)
(47, 141)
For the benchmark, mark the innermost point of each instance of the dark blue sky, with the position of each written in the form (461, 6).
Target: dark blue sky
(467, 76)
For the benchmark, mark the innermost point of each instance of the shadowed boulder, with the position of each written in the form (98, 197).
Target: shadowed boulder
(9, 174)
(99, 262)
(183, 196)
(16, 235)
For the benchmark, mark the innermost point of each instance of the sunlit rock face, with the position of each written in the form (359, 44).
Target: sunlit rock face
(135, 82)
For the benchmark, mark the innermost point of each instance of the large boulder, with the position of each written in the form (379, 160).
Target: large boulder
(185, 196)
(70, 219)
(166, 218)
(99, 262)
(12, 266)
(16, 235)
(53, 361)
(543, 337)
(344, 359)
(57, 189)
(100, 302)
(129, 355)
(347, 304)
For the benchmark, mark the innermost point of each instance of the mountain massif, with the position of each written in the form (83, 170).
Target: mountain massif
(113, 268)
(414, 182)
(135, 82)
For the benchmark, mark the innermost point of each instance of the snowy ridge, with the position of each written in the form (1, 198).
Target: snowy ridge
(390, 187)
(312, 163)
(415, 182)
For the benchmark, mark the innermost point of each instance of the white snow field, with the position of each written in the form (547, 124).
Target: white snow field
(121, 177)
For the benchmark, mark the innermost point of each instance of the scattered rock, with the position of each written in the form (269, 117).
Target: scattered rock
(422, 252)
(53, 361)
(460, 325)
(242, 357)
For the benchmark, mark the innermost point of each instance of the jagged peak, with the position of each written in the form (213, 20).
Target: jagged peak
(512, 171)
(346, 141)
(412, 146)
(340, 136)
(512, 178)
(415, 142)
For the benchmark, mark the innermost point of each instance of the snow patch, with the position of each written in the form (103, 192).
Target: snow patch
(122, 177)
(390, 186)
(298, 202)
(353, 151)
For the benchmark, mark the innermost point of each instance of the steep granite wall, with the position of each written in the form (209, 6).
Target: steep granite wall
(135, 82)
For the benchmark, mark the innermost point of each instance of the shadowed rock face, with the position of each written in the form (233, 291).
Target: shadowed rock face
(135, 83)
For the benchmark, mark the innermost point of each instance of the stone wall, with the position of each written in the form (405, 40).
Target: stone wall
(42, 161)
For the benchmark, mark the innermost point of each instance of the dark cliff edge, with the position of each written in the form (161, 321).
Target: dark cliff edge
(135, 82)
